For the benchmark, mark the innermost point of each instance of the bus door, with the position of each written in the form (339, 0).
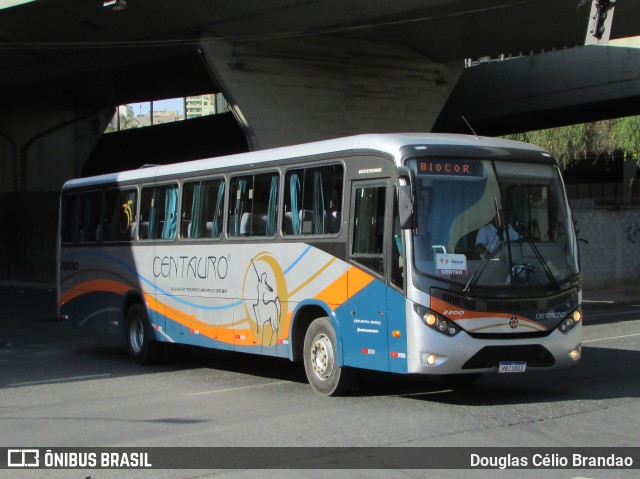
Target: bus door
(364, 332)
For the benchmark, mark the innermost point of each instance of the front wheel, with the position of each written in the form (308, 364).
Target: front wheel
(142, 347)
(321, 360)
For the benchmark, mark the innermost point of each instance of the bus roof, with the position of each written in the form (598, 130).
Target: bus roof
(389, 144)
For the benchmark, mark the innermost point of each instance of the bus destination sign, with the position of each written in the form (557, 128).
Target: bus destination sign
(450, 168)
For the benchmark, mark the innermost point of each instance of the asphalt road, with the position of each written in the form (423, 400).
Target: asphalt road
(62, 387)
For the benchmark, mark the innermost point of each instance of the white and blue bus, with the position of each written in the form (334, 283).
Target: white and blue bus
(408, 253)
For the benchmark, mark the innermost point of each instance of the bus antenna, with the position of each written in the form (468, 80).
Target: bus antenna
(470, 127)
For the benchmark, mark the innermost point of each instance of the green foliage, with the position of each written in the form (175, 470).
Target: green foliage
(598, 140)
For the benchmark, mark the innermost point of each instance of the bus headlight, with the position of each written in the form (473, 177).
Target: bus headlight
(436, 321)
(570, 321)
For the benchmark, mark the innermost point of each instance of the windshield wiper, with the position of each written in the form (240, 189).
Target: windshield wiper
(523, 234)
(487, 256)
(479, 269)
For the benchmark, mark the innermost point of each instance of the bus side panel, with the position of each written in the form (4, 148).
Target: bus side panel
(397, 324)
(93, 285)
(364, 324)
(368, 320)
(242, 296)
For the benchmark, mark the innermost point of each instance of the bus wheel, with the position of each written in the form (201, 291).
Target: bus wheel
(321, 361)
(140, 344)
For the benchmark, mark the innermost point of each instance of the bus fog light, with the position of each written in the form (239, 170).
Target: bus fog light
(575, 353)
(429, 359)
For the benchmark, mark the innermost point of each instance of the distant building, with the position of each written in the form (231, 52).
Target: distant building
(159, 117)
(201, 105)
(194, 107)
(123, 118)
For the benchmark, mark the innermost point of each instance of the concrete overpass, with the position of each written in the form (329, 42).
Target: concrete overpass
(545, 90)
(294, 70)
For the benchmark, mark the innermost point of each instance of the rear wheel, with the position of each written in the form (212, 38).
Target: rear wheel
(321, 361)
(141, 345)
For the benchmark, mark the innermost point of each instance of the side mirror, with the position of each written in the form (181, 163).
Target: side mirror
(405, 207)
(405, 199)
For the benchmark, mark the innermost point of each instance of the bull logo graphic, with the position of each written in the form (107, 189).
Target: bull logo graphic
(513, 323)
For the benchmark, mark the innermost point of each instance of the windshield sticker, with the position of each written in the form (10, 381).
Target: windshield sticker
(451, 264)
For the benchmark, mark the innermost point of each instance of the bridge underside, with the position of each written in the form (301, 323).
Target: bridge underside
(574, 85)
(293, 71)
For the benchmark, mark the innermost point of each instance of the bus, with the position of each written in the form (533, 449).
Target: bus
(348, 254)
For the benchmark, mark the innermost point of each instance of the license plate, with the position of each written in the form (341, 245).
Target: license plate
(512, 367)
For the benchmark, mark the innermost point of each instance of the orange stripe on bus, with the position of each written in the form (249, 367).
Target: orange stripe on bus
(213, 331)
(103, 285)
(346, 286)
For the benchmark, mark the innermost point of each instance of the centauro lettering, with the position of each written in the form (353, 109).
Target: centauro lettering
(202, 267)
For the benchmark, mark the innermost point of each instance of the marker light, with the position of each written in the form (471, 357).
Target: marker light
(396, 334)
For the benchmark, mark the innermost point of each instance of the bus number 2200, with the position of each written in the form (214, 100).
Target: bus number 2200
(69, 266)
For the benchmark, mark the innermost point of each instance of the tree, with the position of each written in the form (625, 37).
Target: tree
(598, 140)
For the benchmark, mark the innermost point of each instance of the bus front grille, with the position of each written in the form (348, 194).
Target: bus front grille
(536, 356)
(531, 335)
(504, 305)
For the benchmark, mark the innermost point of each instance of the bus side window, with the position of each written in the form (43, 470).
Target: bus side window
(397, 250)
(264, 216)
(90, 217)
(202, 203)
(368, 230)
(159, 212)
(69, 218)
(313, 201)
(253, 208)
(240, 202)
(120, 215)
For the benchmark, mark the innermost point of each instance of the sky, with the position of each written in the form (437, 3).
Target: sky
(159, 105)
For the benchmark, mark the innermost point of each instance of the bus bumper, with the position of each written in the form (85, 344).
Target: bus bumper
(430, 352)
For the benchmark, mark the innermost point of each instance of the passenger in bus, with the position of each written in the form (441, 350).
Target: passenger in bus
(489, 238)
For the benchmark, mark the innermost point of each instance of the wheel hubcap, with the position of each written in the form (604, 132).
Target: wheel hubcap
(322, 357)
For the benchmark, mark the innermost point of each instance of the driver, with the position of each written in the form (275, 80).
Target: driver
(488, 237)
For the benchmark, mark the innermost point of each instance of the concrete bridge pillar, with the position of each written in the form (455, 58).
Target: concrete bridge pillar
(43, 142)
(287, 91)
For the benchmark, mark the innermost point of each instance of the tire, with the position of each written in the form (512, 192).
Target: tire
(141, 346)
(321, 361)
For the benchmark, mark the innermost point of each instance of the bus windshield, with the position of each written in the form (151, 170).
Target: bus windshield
(492, 223)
